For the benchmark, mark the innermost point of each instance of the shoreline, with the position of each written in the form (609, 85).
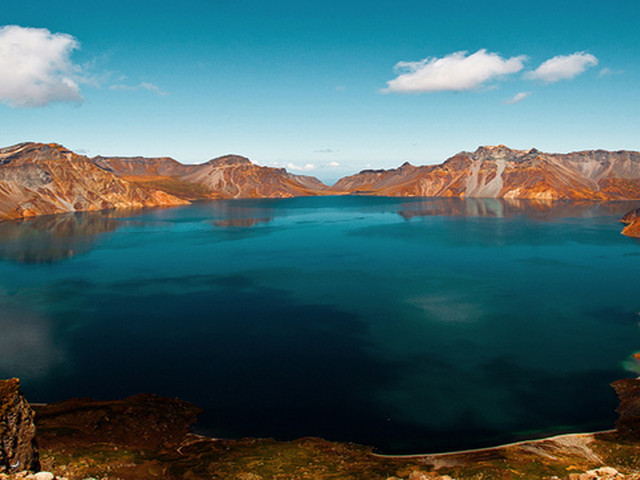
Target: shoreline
(496, 447)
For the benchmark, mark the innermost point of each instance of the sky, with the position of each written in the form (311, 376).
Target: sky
(325, 88)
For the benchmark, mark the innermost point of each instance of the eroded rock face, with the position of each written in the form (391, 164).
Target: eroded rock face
(501, 172)
(44, 179)
(229, 176)
(18, 450)
(628, 423)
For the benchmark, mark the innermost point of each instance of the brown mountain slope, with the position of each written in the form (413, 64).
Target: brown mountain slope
(632, 220)
(230, 176)
(41, 179)
(500, 172)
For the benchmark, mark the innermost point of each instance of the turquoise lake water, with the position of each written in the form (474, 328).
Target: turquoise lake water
(413, 325)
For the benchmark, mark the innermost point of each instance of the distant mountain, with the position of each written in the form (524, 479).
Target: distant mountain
(38, 179)
(500, 172)
(42, 179)
(230, 176)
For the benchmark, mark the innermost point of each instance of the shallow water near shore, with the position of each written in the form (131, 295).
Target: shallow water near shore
(413, 325)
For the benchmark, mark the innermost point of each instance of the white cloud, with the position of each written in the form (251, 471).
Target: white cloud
(334, 164)
(308, 166)
(563, 67)
(517, 98)
(455, 72)
(142, 86)
(36, 68)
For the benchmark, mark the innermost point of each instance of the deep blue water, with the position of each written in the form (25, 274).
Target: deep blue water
(412, 325)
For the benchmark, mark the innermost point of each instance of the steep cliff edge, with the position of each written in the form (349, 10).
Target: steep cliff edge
(42, 179)
(500, 172)
(628, 423)
(18, 450)
(632, 220)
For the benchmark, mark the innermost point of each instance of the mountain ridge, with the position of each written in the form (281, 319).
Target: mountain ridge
(501, 172)
(43, 179)
(39, 178)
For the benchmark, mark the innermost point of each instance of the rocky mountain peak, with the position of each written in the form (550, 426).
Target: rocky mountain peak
(502, 152)
(34, 151)
(230, 161)
(405, 166)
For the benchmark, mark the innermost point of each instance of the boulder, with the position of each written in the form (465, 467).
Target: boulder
(18, 449)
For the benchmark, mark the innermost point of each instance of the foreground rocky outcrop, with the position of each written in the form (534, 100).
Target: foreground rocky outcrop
(44, 179)
(632, 220)
(18, 449)
(500, 172)
(628, 423)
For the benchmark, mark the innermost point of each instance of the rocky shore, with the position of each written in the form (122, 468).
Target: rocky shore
(632, 222)
(147, 437)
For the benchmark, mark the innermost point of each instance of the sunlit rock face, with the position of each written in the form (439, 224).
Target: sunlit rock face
(40, 179)
(230, 176)
(18, 449)
(500, 172)
(43, 179)
(632, 220)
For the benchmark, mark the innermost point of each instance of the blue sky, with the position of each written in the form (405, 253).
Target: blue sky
(306, 84)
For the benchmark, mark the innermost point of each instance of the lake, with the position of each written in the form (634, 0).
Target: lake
(413, 325)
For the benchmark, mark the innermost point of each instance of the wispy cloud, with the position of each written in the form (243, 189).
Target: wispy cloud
(605, 72)
(455, 72)
(563, 67)
(306, 167)
(334, 164)
(325, 150)
(517, 98)
(36, 67)
(141, 86)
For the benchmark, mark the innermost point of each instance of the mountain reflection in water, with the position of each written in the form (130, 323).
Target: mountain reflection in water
(52, 238)
(538, 209)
